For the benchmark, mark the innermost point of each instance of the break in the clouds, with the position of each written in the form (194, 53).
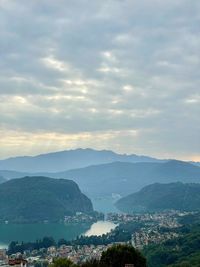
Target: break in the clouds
(121, 75)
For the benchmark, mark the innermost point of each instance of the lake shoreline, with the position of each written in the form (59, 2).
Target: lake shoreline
(68, 231)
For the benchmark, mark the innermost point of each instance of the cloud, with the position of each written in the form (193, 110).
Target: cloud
(100, 68)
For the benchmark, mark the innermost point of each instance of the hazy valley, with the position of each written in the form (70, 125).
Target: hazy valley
(63, 203)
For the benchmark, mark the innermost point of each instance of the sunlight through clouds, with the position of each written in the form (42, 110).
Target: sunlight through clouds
(94, 74)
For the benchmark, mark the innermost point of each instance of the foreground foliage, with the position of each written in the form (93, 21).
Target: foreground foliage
(62, 263)
(120, 255)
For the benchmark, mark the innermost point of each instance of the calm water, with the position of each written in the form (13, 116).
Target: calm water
(32, 232)
(104, 204)
(2, 246)
(100, 228)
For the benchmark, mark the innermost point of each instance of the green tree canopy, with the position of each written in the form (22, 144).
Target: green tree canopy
(62, 262)
(119, 255)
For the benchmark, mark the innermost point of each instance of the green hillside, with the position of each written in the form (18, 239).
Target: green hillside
(158, 197)
(180, 252)
(41, 198)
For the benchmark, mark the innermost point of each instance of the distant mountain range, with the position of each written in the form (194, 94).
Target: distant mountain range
(69, 159)
(159, 197)
(33, 199)
(8, 175)
(122, 178)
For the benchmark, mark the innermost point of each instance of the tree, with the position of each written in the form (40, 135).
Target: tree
(62, 262)
(91, 263)
(48, 242)
(119, 255)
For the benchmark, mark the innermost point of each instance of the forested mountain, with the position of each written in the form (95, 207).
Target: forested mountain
(159, 197)
(41, 198)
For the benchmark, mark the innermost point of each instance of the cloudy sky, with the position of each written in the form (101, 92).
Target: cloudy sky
(106, 74)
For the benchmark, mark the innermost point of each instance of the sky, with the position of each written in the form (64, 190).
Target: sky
(106, 74)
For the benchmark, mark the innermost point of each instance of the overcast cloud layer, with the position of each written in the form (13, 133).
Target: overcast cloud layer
(115, 74)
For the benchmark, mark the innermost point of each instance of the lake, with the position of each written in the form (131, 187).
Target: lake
(32, 232)
(104, 204)
(100, 228)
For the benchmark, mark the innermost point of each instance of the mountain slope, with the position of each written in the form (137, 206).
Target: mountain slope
(41, 198)
(65, 160)
(125, 178)
(179, 252)
(2, 179)
(158, 197)
(121, 177)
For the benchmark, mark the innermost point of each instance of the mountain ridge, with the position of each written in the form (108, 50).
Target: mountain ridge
(159, 197)
(68, 159)
(121, 177)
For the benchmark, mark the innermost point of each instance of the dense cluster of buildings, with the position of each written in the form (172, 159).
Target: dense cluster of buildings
(167, 218)
(145, 237)
(83, 217)
(153, 224)
(77, 254)
(42, 257)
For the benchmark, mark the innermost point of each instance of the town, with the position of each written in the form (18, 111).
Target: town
(155, 228)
